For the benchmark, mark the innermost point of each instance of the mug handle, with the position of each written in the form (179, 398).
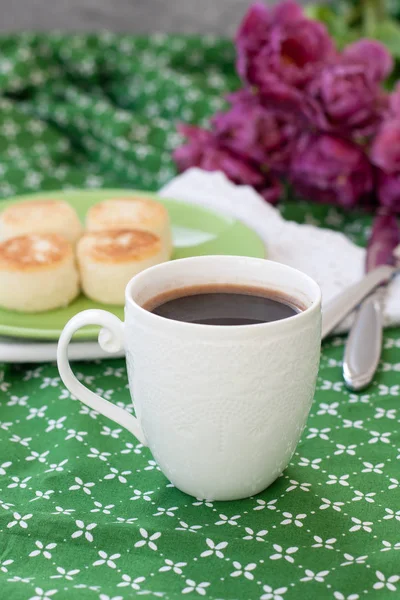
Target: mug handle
(111, 339)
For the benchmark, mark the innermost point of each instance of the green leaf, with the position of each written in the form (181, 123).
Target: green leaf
(388, 32)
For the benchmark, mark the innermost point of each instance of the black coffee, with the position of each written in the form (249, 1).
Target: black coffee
(223, 305)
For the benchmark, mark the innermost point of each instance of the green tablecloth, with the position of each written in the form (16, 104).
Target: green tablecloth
(84, 511)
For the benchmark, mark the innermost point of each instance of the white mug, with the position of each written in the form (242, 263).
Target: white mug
(221, 408)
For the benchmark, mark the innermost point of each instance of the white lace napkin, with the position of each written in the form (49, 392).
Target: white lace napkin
(327, 256)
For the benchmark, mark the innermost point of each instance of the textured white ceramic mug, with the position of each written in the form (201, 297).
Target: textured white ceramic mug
(221, 408)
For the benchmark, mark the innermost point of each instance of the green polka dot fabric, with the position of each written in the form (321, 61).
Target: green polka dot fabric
(84, 511)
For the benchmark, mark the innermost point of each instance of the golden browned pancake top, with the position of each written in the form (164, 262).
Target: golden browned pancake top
(119, 245)
(33, 251)
(131, 209)
(35, 210)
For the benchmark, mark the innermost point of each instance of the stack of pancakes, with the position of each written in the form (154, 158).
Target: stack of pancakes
(46, 256)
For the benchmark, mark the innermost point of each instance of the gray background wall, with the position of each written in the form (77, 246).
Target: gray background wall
(136, 16)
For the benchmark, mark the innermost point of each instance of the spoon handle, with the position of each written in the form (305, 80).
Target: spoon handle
(343, 304)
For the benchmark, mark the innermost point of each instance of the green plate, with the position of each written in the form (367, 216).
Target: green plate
(196, 232)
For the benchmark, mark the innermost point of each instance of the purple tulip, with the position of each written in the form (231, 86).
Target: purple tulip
(251, 36)
(255, 28)
(293, 53)
(373, 56)
(385, 150)
(205, 151)
(276, 94)
(281, 43)
(264, 136)
(389, 191)
(385, 237)
(346, 100)
(330, 169)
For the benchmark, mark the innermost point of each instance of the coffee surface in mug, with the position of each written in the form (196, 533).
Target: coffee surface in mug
(226, 305)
